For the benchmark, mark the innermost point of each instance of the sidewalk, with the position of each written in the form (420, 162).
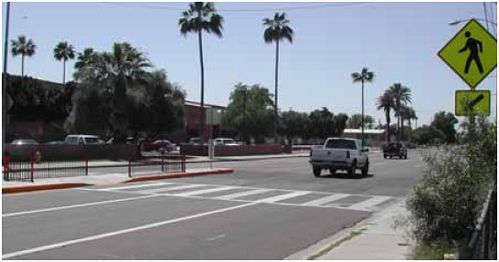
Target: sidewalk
(372, 239)
(101, 180)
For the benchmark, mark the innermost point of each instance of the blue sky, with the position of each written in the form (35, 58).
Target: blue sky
(398, 41)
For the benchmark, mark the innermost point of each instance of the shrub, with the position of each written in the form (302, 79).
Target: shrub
(450, 196)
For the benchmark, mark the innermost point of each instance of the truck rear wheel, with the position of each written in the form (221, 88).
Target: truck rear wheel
(317, 171)
(351, 170)
(365, 169)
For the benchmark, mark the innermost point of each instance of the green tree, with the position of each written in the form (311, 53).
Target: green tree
(401, 95)
(277, 30)
(198, 18)
(64, 51)
(114, 72)
(323, 123)
(428, 135)
(364, 76)
(293, 124)
(446, 122)
(23, 47)
(386, 103)
(250, 112)
(355, 121)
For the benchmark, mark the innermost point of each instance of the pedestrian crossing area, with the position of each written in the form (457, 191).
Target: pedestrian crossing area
(257, 195)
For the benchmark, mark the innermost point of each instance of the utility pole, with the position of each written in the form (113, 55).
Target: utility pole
(4, 75)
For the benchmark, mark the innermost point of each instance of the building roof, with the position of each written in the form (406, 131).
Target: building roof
(366, 131)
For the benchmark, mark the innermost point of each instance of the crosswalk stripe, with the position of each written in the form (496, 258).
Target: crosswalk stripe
(242, 194)
(205, 191)
(135, 186)
(366, 204)
(324, 200)
(282, 197)
(163, 189)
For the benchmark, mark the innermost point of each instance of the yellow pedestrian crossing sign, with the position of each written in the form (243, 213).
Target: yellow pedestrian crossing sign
(472, 102)
(471, 53)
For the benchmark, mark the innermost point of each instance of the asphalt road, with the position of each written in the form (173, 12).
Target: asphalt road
(267, 209)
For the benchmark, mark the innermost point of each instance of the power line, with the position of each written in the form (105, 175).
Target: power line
(168, 8)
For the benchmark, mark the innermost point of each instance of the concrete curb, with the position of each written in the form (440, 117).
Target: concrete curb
(215, 171)
(30, 188)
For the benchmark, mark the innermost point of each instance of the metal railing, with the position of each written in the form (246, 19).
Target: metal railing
(482, 243)
(29, 170)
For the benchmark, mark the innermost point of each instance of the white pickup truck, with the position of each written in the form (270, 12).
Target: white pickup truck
(340, 154)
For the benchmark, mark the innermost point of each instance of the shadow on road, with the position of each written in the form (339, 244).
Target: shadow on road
(346, 176)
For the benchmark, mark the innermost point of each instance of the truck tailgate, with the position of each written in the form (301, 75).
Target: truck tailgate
(329, 155)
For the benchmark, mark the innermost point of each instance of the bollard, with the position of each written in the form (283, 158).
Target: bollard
(86, 166)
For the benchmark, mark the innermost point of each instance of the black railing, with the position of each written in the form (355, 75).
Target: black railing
(30, 170)
(482, 243)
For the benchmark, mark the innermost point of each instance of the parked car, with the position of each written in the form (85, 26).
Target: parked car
(395, 149)
(55, 143)
(339, 154)
(195, 141)
(221, 141)
(83, 140)
(162, 146)
(22, 142)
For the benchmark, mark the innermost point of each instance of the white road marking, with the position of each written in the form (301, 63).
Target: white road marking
(205, 191)
(324, 200)
(163, 189)
(78, 205)
(216, 237)
(242, 194)
(282, 197)
(134, 186)
(366, 204)
(120, 232)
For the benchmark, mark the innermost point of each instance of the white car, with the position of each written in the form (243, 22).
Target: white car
(225, 142)
(83, 140)
(340, 154)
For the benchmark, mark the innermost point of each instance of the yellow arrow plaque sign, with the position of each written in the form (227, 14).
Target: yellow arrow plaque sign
(472, 102)
(471, 53)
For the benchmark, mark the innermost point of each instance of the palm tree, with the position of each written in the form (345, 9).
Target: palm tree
(401, 94)
(408, 114)
(83, 58)
(115, 70)
(64, 51)
(198, 18)
(277, 30)
(386, 102)
(363, 76)
(23, 48)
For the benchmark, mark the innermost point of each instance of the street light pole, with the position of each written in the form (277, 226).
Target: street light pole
(4, 74)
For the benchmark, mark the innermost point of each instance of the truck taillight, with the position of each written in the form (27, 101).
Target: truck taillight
(348, 154)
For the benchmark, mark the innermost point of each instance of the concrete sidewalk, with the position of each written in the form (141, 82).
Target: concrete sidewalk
(101, 179)
(372, 239)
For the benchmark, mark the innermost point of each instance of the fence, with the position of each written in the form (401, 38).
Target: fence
(30, 170)
(482, 243)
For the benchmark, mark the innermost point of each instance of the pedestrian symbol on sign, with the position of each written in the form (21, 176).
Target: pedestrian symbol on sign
(473, 46)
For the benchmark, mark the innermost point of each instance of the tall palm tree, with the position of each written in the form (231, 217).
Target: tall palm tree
(364, 76)
(276, 31)
(386, 103)
(198, 18)
(23, 47)
(64, 51)
(401, 94)
(408, 114)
